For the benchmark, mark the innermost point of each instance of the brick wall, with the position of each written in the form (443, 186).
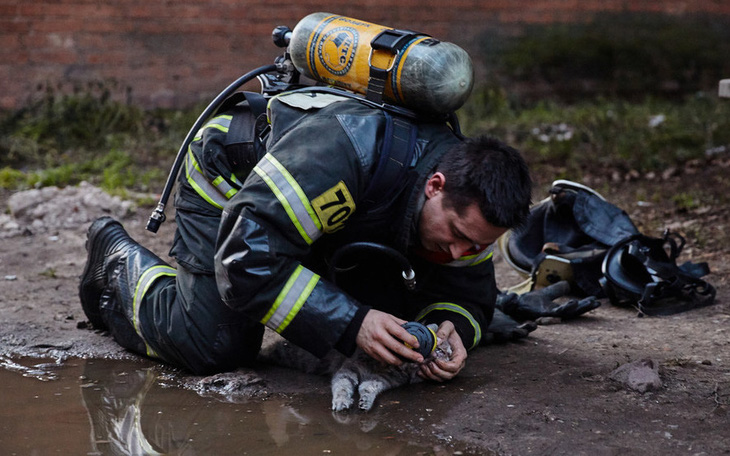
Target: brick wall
(172, 53)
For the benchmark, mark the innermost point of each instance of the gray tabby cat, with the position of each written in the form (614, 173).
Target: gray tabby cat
(359, 373)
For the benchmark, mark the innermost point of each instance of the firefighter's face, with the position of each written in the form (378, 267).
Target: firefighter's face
(442, 229)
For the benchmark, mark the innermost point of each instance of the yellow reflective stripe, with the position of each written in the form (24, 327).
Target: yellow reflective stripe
(291, 196)
(222, 123)
(143, 284)
(200, 184)
(218, 191)
(290, 299)
(472, 260)
(224, 188)
(451, 307)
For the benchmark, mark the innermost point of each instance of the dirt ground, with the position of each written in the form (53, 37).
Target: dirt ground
(547, 394)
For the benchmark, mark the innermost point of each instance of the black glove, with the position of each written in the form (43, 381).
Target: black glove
(539, 303)
(574, 308)
(504, 329)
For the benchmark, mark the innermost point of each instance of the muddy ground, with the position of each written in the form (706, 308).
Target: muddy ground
(547, 394)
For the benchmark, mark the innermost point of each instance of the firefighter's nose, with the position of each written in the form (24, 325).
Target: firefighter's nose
(457, 249)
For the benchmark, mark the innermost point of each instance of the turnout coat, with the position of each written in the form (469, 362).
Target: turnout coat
(311, 193)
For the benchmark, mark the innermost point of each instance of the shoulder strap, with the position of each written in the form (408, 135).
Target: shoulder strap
(241, 128)
(243, 145)
(399, 144)
(256, 102)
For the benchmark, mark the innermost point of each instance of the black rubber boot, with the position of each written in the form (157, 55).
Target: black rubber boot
(106, 242)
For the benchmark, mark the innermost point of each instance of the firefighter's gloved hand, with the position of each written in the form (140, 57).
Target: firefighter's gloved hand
(539, 303)
(574, 308)
(504, 329)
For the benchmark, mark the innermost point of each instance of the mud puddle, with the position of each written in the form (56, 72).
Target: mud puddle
(99, 407)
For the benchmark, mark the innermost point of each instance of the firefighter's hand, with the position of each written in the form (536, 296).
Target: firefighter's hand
(504, 328)
(381, 336)
(440, 369)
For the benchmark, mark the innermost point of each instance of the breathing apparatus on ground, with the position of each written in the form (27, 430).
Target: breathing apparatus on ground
(578, 238)
(642, 271)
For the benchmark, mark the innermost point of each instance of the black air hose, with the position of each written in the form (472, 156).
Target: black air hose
(158, 215)
(409, 276)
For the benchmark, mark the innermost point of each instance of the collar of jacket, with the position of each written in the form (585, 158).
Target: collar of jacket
(413, 197)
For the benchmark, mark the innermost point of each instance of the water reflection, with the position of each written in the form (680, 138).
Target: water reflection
(44, 371)
(132, 412)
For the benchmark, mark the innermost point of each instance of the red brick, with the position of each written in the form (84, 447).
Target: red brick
(70, 24)
(31, 9)
(57, 56)
(13, 59)
(8, 41)
(175, 52)
(8, 11)
(11, 26)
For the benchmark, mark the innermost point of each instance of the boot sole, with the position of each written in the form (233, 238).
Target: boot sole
(92, 279)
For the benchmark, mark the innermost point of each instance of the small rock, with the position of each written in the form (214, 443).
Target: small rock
(669, 173)
(232, 384)
(641, 376)
(49, 209)
(11, 277)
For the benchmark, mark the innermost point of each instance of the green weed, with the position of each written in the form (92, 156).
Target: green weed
(616, 54)
(49, 273)
(685, 202)
(595, 134)
(11, 178)
(88, 133)
(64, 138)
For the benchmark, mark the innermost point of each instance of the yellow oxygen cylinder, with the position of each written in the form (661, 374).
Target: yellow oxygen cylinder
(418, 72)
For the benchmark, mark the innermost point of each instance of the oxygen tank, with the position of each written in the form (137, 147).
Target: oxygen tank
(425, 74)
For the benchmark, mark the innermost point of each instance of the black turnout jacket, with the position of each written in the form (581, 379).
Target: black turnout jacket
(306, 198)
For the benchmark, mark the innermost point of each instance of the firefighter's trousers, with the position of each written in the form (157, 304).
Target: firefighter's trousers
(176, 316)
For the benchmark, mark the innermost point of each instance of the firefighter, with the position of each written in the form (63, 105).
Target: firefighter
(252, 246)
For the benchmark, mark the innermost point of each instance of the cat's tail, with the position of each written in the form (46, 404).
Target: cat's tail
(285, 354)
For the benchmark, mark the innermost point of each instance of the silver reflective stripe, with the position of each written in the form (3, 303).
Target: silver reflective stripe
(291, 298)
(291, 196)
(200, 184)
(459, 310)
(143, 284)
(224, 187)
(472, 260)
(218, 191)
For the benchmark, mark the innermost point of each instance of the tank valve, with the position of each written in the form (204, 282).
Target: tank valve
(281, 36)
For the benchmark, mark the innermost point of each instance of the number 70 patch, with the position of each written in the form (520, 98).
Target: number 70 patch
(333, 207)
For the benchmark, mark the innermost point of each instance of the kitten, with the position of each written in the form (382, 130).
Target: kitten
(359, 373)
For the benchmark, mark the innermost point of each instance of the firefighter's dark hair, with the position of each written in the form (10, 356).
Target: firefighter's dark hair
(492, 174)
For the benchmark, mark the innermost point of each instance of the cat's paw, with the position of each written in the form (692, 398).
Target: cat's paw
(368, 391)
(366, 403)
(341, 401)
(344, 383)
(343, 391)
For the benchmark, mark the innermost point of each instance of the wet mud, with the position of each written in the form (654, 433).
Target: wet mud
(104, 407)
(70, 390)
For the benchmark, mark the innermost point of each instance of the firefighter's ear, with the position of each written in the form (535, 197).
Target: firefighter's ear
(435, 184)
